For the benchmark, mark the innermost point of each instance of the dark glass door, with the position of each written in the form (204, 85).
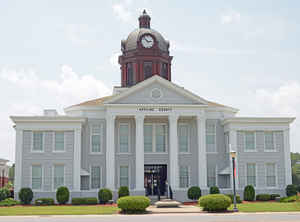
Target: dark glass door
(155, 177)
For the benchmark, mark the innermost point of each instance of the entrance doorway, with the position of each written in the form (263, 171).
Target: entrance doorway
(155, 177)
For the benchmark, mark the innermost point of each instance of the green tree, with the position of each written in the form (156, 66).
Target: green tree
(295, 161)
(11, 173)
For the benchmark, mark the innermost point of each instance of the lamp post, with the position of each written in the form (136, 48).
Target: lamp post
(233, 156)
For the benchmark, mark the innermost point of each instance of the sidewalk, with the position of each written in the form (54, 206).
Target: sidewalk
(180, 209)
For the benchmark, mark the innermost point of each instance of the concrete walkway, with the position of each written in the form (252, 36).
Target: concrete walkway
(180, 209)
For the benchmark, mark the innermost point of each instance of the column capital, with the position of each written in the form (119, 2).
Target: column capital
(139, 117)
(111, 116)
(200, 115)
(173, 117)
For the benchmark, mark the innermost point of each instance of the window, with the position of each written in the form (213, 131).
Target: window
(271, 174)
(184, 178)
(160, 137)
(129, 74)
(148, 138)
(249, 141)
(210, 137)
(164, 70)
(59, 144)
(269, 141)
(37, 141)
(59, 176)
(96, 138)
(124, 138)
(147, 70)
(183, 138)
(251, 174)
(211, 176)
(36, 177)
(124, 176)
(95, 177)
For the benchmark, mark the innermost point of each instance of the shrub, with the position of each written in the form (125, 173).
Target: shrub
(215, 202)
(104, 195)
(214, 190)
(9, 202)
(238, 198)
(134, 204)
(274, 195)
(194, 193)
(25, 195)
(62, 195)
(263, 197)
(249, 193)
(123, 192)
(288, 199)
(4, 193)
(84, 200)
(44, 201)
(291, 190)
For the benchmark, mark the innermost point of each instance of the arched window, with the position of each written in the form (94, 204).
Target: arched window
(147, 70)
(129, 71)
(164, 70)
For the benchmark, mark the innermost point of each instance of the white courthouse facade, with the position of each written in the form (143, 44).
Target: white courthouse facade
(149, 132)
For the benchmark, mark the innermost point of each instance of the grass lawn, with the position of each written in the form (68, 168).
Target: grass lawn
(268, 207)
(57, 210)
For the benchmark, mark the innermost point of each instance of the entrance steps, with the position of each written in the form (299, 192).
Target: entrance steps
(167, 203)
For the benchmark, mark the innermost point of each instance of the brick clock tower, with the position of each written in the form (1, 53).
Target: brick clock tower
(144, 53)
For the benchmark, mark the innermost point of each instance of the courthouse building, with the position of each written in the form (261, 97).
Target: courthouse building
(149, 132)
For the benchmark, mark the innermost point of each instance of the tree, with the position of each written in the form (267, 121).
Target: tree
(295, 161)
(11, 173)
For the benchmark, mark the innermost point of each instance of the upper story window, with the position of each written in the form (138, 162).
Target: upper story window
(37, 141)
(183, 135)
(250, 141)
(124, 138)
(59, 141)
(155, 138)
(59, 176)
(271, 174)
(251, 174)
(96, 138)
(164, 70)
(211, 137)
(36, 177)
(129, 71)
(269, 141)
(147, 70)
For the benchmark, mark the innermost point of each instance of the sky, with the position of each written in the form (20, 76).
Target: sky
(53, 54)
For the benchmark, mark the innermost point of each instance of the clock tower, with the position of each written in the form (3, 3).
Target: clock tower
(145, 53)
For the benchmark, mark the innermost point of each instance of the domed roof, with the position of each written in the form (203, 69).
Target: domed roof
(134, 36)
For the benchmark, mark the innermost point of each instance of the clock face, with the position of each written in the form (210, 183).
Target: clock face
(147, 41)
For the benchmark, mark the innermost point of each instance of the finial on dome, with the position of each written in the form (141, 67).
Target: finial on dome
(144, 20)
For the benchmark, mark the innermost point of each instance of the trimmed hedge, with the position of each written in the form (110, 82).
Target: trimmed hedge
(62, 195)
(84, 200)
(214, 190)
(215, 202)
(288, 199)
(26, 195)
(263, 197)
(291, 190)
(9, 202)
(238, 198)
(44, 201)
(194, 193)
(274, 195)
(104, 195)
(133, 204)
(123, 192)
(249, 193)
(4, 193)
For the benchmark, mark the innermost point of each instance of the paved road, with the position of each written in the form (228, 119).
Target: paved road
(268, 217)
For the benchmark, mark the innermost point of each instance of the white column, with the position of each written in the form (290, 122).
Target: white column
(287, 157)
(233, 146)
(139, 152)
(201, 134)
(173, 149)
(110, 151)
(18, 161)
(77, 159)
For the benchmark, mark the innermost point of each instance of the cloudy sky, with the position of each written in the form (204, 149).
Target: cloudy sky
(53, 54)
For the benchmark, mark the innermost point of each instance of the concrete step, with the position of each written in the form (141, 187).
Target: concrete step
(167, 203)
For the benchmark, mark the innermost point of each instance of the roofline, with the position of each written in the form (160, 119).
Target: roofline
(287, 120)
(22, 119)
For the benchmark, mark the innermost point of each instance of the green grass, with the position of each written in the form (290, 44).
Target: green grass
(57, 210)
(268, 207)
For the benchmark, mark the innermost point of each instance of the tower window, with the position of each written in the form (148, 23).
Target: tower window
(147, 70)
(164, 70)
(129, 71)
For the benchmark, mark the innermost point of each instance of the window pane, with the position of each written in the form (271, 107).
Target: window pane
(183, 138)
(147, 69)
(250, 140)
(124, 138)
(251, 174)
(129, 74)
(271, 174)
(211, 176)
(36, 177)
(160, 138)
(96, 143)
(59, 141)
(37, 141)
(269, 141)
(210, 137)
(210, 128)
(184, 177)
(96, 177)
(124, 176)
(148, 138)
(59, 172)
